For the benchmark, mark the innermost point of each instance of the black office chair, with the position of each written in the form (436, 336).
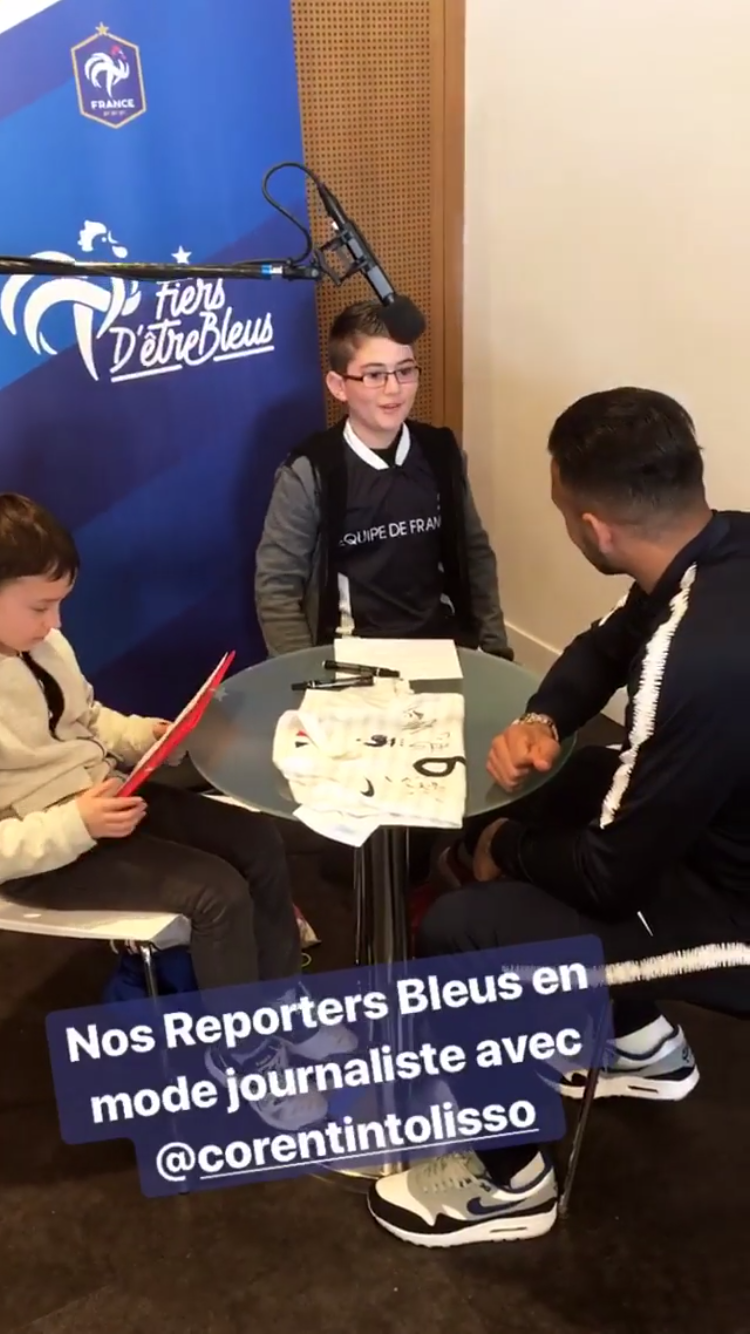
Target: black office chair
(708, 993)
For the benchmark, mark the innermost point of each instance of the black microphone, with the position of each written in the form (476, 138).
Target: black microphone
(404, 322)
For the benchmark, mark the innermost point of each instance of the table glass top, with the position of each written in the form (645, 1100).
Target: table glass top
(232, 745)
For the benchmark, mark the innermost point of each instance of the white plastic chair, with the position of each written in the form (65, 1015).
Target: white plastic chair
(146, 933)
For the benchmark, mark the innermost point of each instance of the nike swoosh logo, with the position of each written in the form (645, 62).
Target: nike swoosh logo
(480, 1210)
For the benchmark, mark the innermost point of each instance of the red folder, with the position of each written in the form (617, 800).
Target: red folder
(178, 730)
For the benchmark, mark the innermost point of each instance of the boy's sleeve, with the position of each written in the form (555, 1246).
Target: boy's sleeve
(42, 841)
(483, 582)
(126, 736)
(284, 559)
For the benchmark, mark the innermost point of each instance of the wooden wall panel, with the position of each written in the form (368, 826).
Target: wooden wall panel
(372, 94)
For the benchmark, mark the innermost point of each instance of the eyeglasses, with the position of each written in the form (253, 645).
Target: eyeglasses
(379, 379)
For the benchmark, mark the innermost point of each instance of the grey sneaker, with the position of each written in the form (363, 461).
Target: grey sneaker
(451, 1201)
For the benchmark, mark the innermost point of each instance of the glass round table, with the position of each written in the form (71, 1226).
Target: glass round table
(233, 743)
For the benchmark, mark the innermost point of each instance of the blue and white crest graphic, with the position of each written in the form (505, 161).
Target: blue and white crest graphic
(109, 79)
(110, 298)
(193, 322)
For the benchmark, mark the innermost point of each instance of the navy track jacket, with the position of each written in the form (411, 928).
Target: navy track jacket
(681, 792)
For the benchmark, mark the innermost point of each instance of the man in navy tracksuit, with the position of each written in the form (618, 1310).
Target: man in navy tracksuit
(646, 846)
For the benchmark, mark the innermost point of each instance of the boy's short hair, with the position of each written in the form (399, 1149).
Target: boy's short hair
(32, 542)
(350, 329)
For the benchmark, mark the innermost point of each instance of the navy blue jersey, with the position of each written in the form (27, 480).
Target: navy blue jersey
(388, 560)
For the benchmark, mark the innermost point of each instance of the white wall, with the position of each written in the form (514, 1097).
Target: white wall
(607, 242)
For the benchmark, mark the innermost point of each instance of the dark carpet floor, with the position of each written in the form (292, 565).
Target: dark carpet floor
(657, 1241)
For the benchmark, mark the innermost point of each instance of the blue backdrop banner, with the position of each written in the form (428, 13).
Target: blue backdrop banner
(151, 418)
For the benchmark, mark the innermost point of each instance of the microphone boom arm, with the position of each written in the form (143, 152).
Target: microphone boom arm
(154, 273)
(404, 322)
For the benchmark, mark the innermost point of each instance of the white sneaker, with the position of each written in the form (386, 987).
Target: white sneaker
(290, 1111)
(668, 1073)
(451, 1201)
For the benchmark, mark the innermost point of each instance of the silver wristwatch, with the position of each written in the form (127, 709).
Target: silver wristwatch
(543, 720)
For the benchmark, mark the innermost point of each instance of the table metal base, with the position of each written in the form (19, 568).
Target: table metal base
(381, 885)
(359, 1182)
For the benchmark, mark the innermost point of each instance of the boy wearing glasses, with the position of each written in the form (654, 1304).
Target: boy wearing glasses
(372, 529)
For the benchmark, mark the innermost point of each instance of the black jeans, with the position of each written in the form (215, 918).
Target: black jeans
(686, 912)
(220, 866)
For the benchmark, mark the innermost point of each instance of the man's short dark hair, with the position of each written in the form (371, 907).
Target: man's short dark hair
(350, 329)
(32, 542)
(632, 451)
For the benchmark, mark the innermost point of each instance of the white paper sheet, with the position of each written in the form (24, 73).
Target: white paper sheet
(415, 659)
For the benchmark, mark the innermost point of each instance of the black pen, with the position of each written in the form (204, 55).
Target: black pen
(333, 685)
(358, 667)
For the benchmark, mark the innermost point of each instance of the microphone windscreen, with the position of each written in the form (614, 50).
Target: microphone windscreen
(404, 322)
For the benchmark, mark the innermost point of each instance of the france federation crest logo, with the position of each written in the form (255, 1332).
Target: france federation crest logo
(109, 79)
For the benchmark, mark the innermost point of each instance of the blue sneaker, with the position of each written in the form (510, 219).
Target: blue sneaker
(281, 1107)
